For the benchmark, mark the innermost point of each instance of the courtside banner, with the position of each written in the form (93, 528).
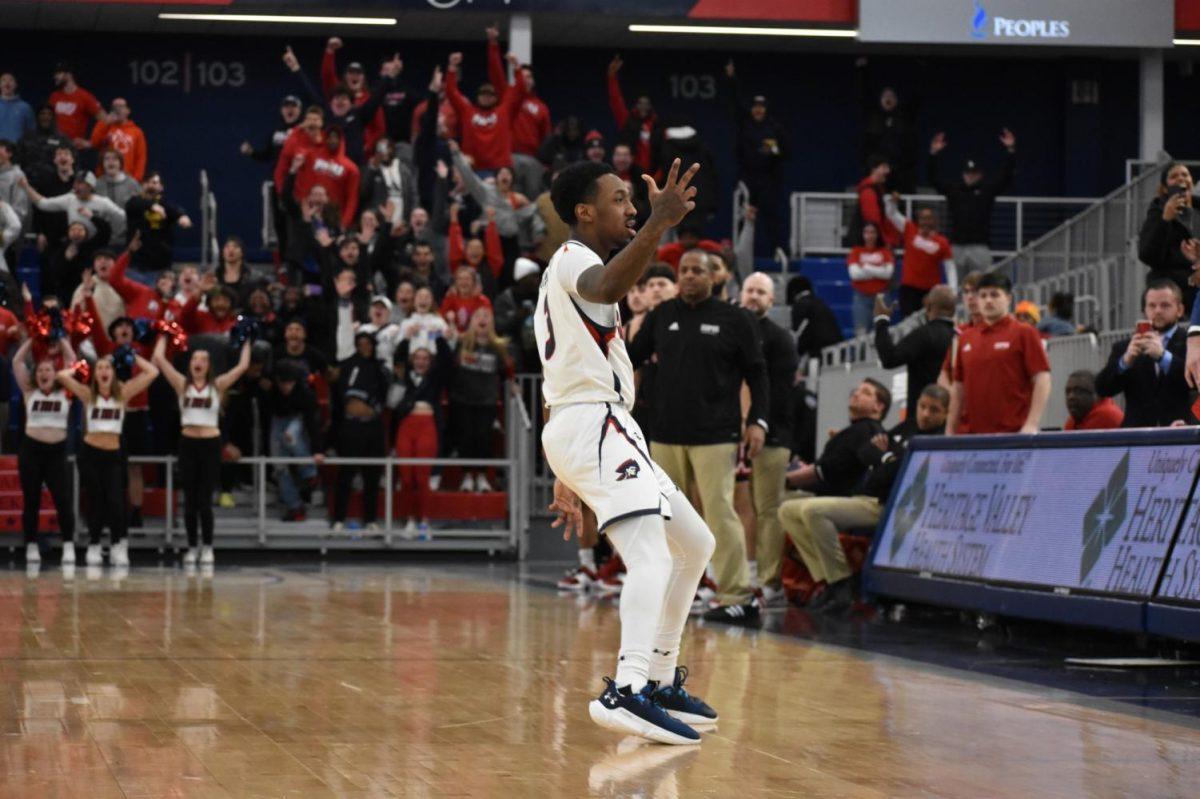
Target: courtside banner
(1091, 519)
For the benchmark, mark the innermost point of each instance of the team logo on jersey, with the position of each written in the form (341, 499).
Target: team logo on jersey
(628, 470)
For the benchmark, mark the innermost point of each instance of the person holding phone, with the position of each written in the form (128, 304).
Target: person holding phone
(1170, 220)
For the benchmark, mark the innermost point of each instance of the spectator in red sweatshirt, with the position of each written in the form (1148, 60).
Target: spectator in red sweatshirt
(474, 252)
(464, 298)
(303, 139)
(635, 123)
(486, 124)
(356, 80)
(329, 167)
(870, 204)
(74, 107)
(140, 300)
(217, 317)
(531, 122)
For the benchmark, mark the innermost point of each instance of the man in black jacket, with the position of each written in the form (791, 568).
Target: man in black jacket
(761, 151)
(295, 432)
(923, 350)
(854, 476)
(1149, 367)
(813, 323)
(766, 475)
(970, 201)
(706, 349)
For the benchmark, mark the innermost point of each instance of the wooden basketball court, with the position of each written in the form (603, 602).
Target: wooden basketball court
(461, 681)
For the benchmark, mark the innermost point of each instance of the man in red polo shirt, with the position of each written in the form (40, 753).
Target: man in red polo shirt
(927, 254)
(1001, 374)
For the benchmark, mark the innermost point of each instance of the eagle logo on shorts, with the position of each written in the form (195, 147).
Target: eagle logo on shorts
(628, 470)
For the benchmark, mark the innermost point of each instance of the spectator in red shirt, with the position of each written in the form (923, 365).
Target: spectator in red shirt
(328, 166)
(636, 124)
(73, 105)
(356, 80)
(689, 239)
(530, 122)
(303, 139)
(464, 298)
(141, 301)
(1001, 374)
(927, 254)
(473, 252)
(217, 317)
(486, 124)
(870, 265)
(871, 206)
(1087, 411)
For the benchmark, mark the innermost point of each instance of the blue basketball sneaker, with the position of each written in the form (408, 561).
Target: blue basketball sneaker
(622, 710)
(681, 705)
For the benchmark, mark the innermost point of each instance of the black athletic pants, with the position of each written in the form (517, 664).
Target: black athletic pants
(359, 438)
(40, 463)
(103, 474)
(199, 467)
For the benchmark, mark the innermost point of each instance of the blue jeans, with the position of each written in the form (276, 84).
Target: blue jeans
(290, 439)
(862, 310)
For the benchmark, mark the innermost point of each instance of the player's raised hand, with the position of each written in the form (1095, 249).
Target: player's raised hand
(676, 198)
(566, 506)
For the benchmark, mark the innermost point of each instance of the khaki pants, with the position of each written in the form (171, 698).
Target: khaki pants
(712, 467)
(766, 483)
(813, 524)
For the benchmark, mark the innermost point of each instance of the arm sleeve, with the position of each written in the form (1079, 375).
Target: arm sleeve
(98, 134)
(495, 67)
(350, 199)
(1035, 352)
(642, 346)
(188, 315)
(372, 104)
(100, 338)
(951, 271)
(754, 372)
(12, 227)
(1002, 180)
(934, 172)
(329, 77)
(616, 102)
(137, 158)
(493, 249)
(477, 188)
(893, 355)
(892, 211)
(456, 246)
(460, 103)
(1151, 241)
(118, 280)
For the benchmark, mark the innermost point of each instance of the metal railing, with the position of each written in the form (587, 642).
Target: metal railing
(269, 239)
(820, 219)
(257, 530)
(209, 248)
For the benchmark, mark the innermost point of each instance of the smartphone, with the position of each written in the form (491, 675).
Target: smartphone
(1143, 327)
(1174, 190)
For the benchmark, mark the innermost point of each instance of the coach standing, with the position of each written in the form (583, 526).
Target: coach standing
(705, 350)
(923, 350)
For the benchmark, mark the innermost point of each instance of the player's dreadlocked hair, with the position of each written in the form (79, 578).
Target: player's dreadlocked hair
(576, 184)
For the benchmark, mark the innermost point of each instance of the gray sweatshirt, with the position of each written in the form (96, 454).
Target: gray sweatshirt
(523, 222)
(12, 193)
(99, 206)
(119, 189)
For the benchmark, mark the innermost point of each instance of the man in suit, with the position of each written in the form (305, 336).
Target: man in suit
(921, 351)
(1149, 367)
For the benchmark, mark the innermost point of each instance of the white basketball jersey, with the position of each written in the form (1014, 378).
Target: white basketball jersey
(583, 355)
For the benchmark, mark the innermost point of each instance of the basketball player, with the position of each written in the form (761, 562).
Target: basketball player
(598, 453)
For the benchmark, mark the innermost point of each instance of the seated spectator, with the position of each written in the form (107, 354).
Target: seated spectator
(422, 375)
(1170, 222)
(1028, 313)
(1148, 367)
(113, 182)
(514, 313)
(81, 204)
(870, 206)
(923, 350)
(295, 433)
(1060, 316)
(1001, 373)
(1087, 411)
(867, 461)
(155, 219)
(487, 123)
(425, 325)
(482, 364)
(118, 132)
(928, 258)
(36, 150)
(870, 265)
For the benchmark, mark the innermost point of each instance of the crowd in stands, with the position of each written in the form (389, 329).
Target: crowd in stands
(413, 224)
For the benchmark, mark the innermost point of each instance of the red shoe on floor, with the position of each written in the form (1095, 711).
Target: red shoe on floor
(578, 579)
(611, 576)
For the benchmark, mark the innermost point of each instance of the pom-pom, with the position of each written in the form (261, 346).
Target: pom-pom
(143, 330)
(81, 323)
(176, 337)
(56, 328)
(122, 360)
(83, 370)
(246, 328)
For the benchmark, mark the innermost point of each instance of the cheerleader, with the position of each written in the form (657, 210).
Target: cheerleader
(42, 458)
(200, 396)
(102, 466)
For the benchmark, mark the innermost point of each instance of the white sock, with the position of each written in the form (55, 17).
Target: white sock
(753, 573)
(587, 558)
(691, 544)
(642, 544)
